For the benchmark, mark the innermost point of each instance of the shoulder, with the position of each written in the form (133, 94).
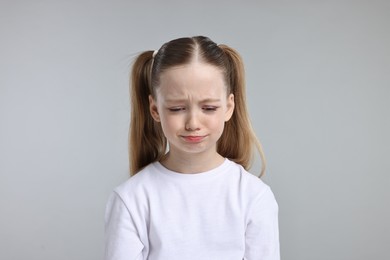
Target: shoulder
(250, 183)
(137, 184)
(252, 189)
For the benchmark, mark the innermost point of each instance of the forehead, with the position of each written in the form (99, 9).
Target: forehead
(194, 79)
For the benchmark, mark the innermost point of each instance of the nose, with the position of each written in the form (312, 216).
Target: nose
(192, 121)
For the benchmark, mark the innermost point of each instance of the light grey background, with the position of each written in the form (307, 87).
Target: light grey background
(318, 82)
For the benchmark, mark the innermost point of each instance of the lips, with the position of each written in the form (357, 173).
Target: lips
(193, 138)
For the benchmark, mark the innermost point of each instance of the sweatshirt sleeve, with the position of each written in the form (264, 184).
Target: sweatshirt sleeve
(262, 230)
(121, 237)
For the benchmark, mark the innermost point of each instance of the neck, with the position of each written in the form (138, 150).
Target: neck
(191, 163)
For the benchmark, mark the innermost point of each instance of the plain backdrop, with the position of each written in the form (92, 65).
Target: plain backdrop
(318, 84)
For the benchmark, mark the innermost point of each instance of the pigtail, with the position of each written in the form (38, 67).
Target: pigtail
(239, 139)
(146, 139)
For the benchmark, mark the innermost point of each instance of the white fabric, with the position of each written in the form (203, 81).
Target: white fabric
(222, 214)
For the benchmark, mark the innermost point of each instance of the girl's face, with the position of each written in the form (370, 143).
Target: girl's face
(192, 106)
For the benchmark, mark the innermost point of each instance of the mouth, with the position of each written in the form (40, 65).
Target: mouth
(193, 138)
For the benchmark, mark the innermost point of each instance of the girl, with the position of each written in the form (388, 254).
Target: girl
(190, 195)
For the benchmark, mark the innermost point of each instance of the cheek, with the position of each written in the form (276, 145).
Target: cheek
(217, 123)
(169, 124)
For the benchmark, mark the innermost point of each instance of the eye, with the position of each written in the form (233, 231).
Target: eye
(210, 108)
(176, 109)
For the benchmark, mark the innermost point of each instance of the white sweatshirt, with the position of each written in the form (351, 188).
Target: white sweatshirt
(222, 214)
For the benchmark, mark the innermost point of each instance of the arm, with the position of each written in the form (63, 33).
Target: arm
(121, 237)
(262, 230)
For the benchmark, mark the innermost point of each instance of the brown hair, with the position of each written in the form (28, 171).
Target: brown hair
(147, 142)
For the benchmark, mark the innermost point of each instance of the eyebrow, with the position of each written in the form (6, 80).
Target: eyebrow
(207, 100)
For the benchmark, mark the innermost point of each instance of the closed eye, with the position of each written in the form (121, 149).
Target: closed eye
(176, 109)
(210, 108)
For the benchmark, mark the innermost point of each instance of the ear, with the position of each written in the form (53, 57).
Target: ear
(229, 107)
(153, 109)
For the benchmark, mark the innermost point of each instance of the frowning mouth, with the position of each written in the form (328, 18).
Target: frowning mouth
(193, 138)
